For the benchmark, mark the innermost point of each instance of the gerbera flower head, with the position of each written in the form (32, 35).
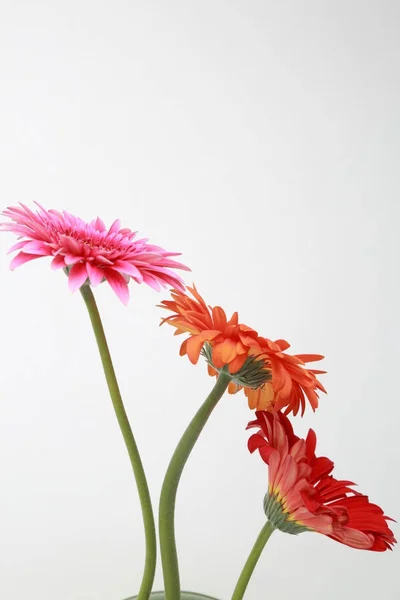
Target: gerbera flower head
(225, 343)
(285, 381)
(304, 496)
(291, 382)
(89, 252)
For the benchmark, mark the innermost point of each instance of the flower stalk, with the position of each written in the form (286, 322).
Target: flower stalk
(170, 485)
(130, 443)
(252, 560)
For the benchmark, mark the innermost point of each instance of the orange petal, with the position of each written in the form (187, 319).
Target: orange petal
(219, 318)
(234, 320)
(252, 398)
(223, 353)
(237, 363)
(265, 397)
(183, 350)
(283, 344)
(212, 372)
(233, 387)
(309, 357)
(195, 343)
(193, 348)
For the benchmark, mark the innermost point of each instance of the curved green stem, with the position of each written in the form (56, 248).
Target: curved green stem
(130, 443)
(170, 485)
(251, 562)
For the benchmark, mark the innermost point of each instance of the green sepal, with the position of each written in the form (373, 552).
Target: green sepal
(254, 373)
(279, 518)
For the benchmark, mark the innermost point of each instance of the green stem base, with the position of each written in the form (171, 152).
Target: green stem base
(252, 560)
(169, 488)
(130, 443)
(184, 596)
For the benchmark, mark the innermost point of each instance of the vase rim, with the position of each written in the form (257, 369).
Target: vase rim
(198, 596)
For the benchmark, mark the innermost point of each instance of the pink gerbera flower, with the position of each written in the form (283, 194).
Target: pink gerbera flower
(89, 252)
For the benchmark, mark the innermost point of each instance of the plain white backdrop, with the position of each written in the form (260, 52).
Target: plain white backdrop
(261, 140)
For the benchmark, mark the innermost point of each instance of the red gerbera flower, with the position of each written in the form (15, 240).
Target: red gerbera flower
(89, 251)
(304, 496)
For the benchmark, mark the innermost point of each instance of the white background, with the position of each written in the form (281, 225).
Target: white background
(260, 139)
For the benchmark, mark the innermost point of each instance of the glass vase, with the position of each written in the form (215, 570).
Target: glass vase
(184, 596)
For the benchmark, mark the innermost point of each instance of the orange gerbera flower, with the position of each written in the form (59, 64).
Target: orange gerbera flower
(230, 343)
(304, 496)
(291, 381)
(290, 384)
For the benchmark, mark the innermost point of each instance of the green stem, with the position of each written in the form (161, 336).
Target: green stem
(252, 560)
(130, 443)
(168, 492)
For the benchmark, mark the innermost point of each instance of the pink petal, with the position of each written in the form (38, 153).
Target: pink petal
(174, 264)
(58, 262)
(77, 276)
(98, 224)
(353, 537)
(70, 245)
(290, 472)
(103, 260)
(17, 246)
(115, 227)
(21, 259)
(96, 275)
(320, 523)
(123, 266)
(36, 247)
(173, 281)
(151, 281)
(71, 259)
(274, 463)
(118, 284)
